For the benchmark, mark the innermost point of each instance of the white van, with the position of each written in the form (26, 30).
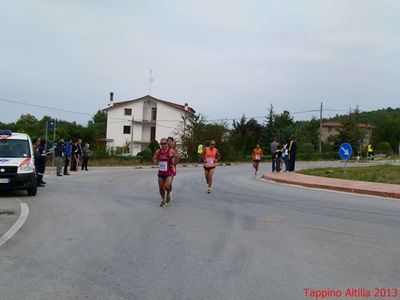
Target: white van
(17, 166)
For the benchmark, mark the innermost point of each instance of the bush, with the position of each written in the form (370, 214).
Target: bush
(154, 145)
(145, 155)
(333, 155)
(99, 151)
(328, 155)
(384, 147)
(306, 151)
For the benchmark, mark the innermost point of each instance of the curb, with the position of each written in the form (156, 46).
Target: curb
(326, 186)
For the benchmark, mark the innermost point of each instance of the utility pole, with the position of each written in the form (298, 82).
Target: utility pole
(132, 136)
(320, 129)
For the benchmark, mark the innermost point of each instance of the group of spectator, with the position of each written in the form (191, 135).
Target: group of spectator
(67, 154)
(71, 154)
(285, 154)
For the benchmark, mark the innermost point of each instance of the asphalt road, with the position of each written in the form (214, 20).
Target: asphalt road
(102, 235)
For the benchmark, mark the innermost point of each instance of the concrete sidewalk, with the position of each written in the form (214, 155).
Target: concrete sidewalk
(353, 186)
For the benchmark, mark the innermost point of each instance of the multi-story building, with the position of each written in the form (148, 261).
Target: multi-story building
(133, 124)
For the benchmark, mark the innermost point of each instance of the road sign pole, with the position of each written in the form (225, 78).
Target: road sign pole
(345, 152)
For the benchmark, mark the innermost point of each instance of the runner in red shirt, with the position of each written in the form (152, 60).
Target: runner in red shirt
(163, 157)
(174, 161)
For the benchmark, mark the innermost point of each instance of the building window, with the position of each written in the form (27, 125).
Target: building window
(128, 111)
(154, 114)
(152, 134)
(127, 129)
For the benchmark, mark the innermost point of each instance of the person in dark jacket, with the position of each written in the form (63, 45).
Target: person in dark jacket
(59, 156)
(79, 153)
(67, 156)
(36, 155)
(74, 156)
(87, 153)
(41, 163)
(278, 158)
(292, 150)
(273, 147)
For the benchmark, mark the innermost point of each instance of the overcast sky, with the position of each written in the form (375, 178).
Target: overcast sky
(225, 58)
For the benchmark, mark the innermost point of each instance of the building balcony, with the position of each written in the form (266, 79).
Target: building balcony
(150, 122)
(141, 141)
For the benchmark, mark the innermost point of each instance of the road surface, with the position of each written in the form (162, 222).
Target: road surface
(102, 235)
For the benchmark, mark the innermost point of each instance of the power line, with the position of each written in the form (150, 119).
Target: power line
(45, 107)
(58, 109)
(122, 120)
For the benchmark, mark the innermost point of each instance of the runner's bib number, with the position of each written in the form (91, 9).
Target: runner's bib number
(258, 157)
(163, 166)
(209, 161)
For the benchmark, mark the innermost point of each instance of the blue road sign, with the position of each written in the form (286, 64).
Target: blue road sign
(345, 151)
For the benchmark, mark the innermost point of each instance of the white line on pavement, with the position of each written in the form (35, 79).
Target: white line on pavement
(14, 229)
(328, 190)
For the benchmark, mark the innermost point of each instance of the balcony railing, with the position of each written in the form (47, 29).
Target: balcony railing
(144, 122)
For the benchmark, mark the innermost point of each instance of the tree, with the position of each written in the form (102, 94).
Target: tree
(307, 132)
(245, 135)
(269, 127)
(27, 119)
(98, 125)
(350, 133)
(284, 126)
(388, 129)
(26, 123)
(194, 131)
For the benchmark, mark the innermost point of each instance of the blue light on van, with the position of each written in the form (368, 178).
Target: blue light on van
(5, 132)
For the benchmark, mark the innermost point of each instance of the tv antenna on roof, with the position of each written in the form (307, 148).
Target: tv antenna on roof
(151, 79)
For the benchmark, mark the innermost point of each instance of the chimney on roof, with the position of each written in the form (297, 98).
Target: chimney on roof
(186, 107)
(111, 99)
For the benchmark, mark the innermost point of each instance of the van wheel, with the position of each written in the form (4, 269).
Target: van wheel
(33, 189)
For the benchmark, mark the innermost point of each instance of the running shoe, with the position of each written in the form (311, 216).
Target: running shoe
(208, 190)
(169, 197)
(162, 204)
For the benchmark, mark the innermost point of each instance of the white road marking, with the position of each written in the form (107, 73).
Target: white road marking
(14, 229)
(328, 190)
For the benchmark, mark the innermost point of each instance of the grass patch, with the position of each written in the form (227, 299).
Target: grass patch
(111, 162)
(383, 173)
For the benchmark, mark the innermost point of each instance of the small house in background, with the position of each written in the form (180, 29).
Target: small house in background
(331, 129)
(133, 124)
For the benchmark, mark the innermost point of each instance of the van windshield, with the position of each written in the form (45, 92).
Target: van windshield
(14, 148)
